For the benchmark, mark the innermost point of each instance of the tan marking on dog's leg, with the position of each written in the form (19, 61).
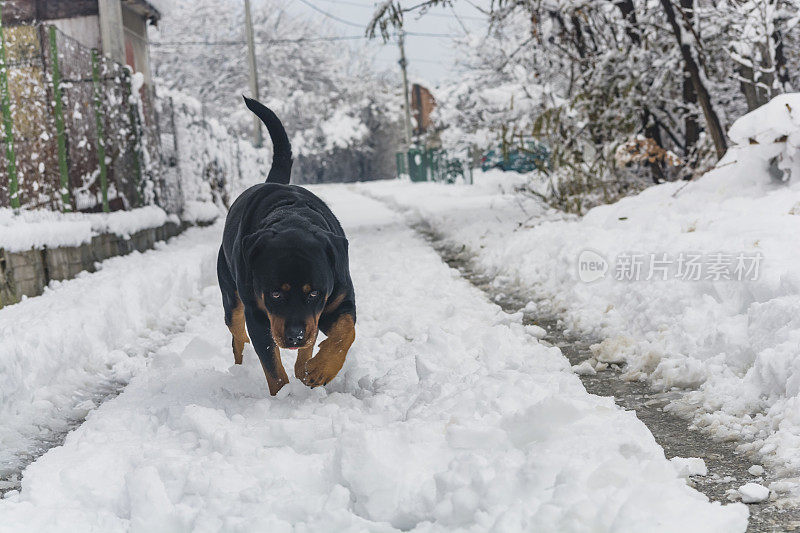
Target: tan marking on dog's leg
(276, 384)
(323, 367)
(303, 355)
(239, 332)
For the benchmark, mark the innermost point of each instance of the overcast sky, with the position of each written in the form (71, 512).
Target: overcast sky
(430, 59)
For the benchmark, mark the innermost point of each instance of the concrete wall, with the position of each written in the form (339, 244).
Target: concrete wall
(28, 273)
(85, 30)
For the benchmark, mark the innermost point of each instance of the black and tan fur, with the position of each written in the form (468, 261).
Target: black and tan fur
(283, 270)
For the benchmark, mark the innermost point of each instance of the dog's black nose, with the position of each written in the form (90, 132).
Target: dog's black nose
(294, 335)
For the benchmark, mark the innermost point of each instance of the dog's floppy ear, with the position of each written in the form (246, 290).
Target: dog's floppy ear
(337, 248)
(255, 242)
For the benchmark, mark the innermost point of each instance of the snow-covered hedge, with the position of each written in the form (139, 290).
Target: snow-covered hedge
(206, 165)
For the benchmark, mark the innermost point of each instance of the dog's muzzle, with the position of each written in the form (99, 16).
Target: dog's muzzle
(294, 336)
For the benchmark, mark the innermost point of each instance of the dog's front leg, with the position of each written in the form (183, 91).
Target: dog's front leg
(324, 366)
(303, 355)
(268, 352)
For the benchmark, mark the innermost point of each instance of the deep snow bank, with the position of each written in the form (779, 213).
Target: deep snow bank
(448, 415)
(734, 335)
(83, 336)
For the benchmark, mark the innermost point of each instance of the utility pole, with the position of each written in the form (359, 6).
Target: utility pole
(258, 140)
(403, 63)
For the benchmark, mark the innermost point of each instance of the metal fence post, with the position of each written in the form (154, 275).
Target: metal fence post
(98, 116)
(136, 125)
(175, 144)
(61, 134)
(13, 185)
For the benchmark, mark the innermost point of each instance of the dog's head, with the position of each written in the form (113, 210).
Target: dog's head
(293, 277)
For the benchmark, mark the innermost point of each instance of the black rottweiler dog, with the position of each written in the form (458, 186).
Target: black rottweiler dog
(284, 273)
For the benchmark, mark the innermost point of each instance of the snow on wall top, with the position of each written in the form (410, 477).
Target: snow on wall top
(39, 229)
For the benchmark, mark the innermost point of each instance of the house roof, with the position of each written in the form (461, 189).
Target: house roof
(144, 8)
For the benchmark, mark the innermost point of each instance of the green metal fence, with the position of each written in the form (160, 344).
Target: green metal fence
(421, 164)
(72, 138)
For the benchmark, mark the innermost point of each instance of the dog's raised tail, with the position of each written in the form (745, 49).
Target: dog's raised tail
(281, 170)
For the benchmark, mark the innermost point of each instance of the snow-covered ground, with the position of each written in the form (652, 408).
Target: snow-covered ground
(714, 305)
(84, 337)
(449, 414)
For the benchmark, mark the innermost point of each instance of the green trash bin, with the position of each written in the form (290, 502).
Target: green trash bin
(417, 165)
(401, 161)
(432, 165)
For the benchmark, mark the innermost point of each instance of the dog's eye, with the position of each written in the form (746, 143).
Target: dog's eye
(313, 294)
(276, 295)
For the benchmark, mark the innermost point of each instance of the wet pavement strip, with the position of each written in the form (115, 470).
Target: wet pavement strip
(727, 468)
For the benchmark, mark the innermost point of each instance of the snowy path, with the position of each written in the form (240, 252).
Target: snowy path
(448, 414)
(85, 338)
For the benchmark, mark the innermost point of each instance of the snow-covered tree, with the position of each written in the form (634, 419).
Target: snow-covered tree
(341, 115)
(599, 80)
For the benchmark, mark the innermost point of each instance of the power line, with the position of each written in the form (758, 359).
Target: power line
(268, 41)
(370, 6)
(355, 24)
(426, 34)
(292, 41)
(413, 60)
(432, 61)
(334, 17)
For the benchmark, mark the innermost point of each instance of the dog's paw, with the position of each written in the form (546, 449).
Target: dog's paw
(276, 384)
(320, 371)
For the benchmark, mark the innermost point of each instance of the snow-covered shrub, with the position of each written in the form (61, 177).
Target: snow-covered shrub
(205, 163)
(772, 133)
(588, 77)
